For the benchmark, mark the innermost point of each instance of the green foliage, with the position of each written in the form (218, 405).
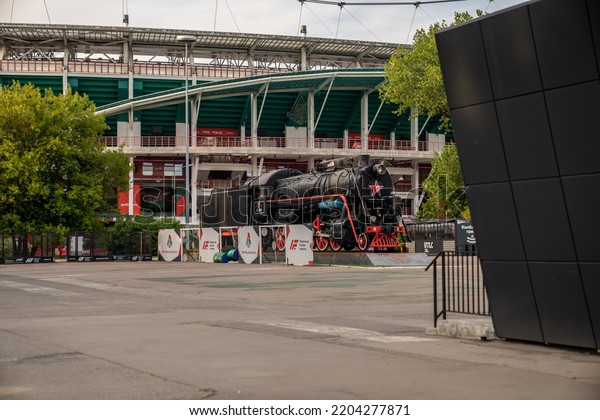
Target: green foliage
(146, 224)
(444, 188)
(413, 77)
(54, 173)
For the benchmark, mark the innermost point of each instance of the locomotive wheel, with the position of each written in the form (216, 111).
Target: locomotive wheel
(321, 243)
(363, 242)
(280, 238)
(335, 246)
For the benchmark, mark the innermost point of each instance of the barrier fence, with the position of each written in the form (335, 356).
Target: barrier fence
(27, 247)
(109, 246)
(458, 285)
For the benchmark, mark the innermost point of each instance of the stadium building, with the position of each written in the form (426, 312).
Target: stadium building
(255, 103)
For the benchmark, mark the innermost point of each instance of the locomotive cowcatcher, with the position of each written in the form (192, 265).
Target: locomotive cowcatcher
(348, 201)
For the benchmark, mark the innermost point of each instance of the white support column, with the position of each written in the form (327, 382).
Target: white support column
(243, 134)
(65, 69)
(303, 59)
(254, 119)
(310, 120)
(414, 186)
(194, 188)
(192, 68)
(364, 123)
(194, 122)
(131, 192)
(311, 163)
(392, 140)
(255, 166)
(345, 135)
(414, 129)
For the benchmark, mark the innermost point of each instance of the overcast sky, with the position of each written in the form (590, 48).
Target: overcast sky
(281, 17)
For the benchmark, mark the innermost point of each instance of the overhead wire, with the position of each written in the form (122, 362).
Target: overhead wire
(343, 4)
(411, 24)
(216, 8)
(361, 24)
(232, 17)
(488, 5)
(387, 3)
(319, 19)
(299, 18)
(47, 13)
(339, 18)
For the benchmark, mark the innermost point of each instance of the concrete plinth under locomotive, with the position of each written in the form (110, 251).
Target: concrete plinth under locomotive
(349, 203)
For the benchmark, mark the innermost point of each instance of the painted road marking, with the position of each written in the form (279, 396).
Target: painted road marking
(343, 332)
(36, 289)
(79, 283)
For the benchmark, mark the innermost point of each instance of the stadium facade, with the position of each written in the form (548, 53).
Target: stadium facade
(255, 103)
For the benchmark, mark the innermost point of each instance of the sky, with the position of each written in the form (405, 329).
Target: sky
(389, 23)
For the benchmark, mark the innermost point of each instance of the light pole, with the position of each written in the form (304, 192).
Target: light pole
(187, 39)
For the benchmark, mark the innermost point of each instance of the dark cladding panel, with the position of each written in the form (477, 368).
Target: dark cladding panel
(464, 66)
(572, 111)
(531, 162)
(594, 11)
(526, 137)
(563, 41)
(495, 222)
(511, 300)
(590, 274)
(561, 304)
(511, 57)
(479, 144)
(583, 201)
(543, 220)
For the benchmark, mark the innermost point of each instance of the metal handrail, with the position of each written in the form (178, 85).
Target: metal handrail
(462, 284)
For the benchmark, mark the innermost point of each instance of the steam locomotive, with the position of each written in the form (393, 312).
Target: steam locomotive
(348, 201)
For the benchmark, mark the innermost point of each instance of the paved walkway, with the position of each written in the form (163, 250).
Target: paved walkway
(150, 330)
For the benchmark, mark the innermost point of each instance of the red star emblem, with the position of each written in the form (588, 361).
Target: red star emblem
(376, 188)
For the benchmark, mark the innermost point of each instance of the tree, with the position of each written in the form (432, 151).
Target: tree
(413, 81)
(54, 173)
(444, 187)
(413, 77)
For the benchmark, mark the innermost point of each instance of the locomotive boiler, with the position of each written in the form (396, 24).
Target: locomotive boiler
(349, 202)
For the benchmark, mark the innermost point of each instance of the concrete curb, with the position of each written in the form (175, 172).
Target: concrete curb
(471, 329)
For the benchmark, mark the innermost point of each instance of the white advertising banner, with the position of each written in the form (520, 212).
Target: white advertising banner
(248, 245)
(209, 244)
(299, 245)
(169, 245)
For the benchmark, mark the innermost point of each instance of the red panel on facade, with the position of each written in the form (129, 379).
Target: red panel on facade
(372, 136)
(123, 200)
(180, 206)
(217, 131)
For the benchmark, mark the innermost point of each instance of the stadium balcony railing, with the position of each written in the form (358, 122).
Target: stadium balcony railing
(201, 71)
(228, 143)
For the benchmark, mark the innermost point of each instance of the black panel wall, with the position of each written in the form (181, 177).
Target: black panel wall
(524, 94)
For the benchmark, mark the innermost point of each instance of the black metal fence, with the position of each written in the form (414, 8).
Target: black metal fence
(27, 247)
(458, 285)
(109, 246)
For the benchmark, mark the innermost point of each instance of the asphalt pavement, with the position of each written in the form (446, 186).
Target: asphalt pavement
(170, 331)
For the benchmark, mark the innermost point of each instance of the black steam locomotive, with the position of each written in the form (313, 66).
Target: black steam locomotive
(348, 201)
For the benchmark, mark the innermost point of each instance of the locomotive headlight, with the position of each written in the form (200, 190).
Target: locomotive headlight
(379, 169)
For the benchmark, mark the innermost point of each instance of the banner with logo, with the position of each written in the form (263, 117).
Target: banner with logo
(465, 235)
(249, 245)
(169, 245)
(298, 245)
(209, 244)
